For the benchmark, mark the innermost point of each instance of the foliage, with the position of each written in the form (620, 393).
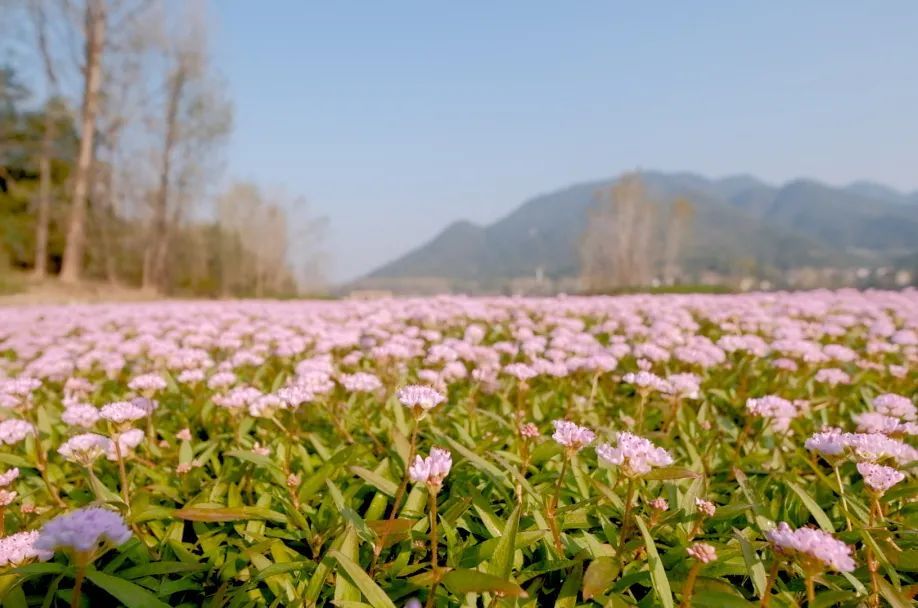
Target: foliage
(259, 500)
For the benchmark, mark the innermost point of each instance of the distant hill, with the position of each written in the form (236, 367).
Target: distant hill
(742, 225)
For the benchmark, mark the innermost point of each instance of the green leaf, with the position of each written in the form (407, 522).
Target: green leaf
(217, 514)
(362, 580)
(719, 599)
(344, 588)
(893, 595)
(599, 576)
(754, 564)
(160, 568)
(502, 559)
(376, 480)
(126, 592)
(664, 473)
(461, 581)
(657, 573)
(815, 510)
(16, 461)
(567, 598)
(479, 462)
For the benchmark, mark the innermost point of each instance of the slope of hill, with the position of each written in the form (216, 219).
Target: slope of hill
(740, 223)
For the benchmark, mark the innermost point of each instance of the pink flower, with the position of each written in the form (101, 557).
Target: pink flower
(8, 477)
(529, 430)
(878, 477)
(80, 414)
(647, 381)
(361, 382)
(431, 470)
(13, 431)
(85, 449)
(705, 507)
(703, 552)
(120, 412)
(635, 455)
(659, 504)
(779, 411)
(183, 435)
(894, 405)
(19, 548)
(147, 383)
(813, 545)
(832, 376)
(419, 396)
(571, 435)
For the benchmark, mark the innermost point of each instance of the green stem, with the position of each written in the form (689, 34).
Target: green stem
(688, 589)
(122, 473)
(640, 412)
(626, 519)
(77, 586)
(553, 505)
(810, 589)
(841, 493)
(380, 544)
(769, 583)
(434, 541)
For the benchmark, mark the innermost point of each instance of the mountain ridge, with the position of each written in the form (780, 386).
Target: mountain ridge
(741, 224)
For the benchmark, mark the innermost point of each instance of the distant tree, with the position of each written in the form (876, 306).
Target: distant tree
(255, 234)
(94, 31)
(678, 225)
(618, 249)
(196, 119)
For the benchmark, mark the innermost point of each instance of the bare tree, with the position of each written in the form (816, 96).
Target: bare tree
(617, 246)
(40, 25)
(263, 251)
(95, 27)
(196, 118)
(679, 223)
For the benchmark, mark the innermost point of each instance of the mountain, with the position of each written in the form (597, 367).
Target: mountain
(741, 225)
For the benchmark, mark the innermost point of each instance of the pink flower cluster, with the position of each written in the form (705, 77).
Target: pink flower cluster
(635, 455)
(433, 469)
(812, 545)
(571, 435)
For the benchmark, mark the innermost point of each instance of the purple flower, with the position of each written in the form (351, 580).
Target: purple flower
(83, 530)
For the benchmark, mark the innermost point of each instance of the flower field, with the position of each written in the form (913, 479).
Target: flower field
(717, 451)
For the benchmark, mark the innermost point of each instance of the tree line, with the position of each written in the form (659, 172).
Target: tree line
(114, 121)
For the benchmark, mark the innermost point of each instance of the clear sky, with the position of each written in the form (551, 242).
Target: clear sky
(395, 118)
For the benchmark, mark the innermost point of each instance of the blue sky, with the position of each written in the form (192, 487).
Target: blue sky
(395, 118)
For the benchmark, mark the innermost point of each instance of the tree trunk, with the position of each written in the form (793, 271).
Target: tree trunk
(47, 146)
(154, 272)
(44, 196)
(76, 232)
